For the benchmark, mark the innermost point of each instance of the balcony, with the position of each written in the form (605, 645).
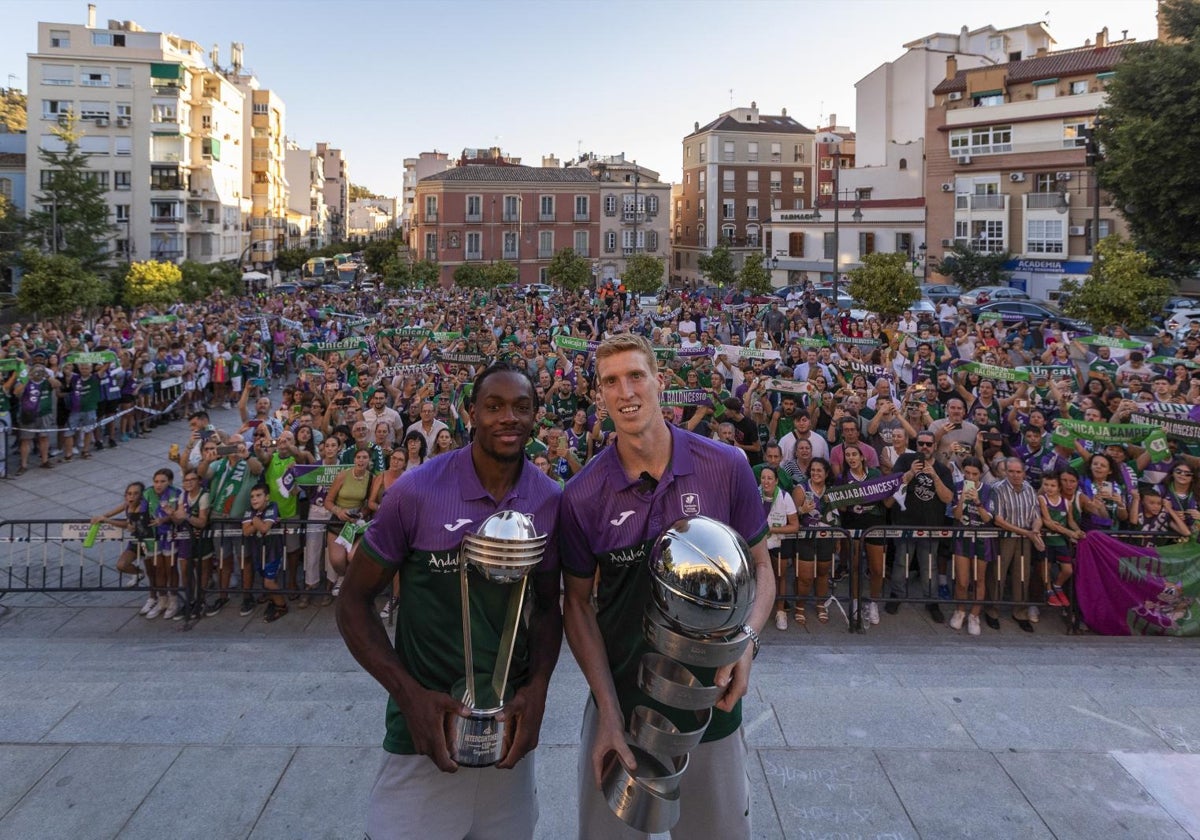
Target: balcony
(166, 220)
(583, 217)
(545, 217)
(166, 254)
(610, 211)
(510, 217)
(629, 217)
(509, 255)
(583, 252)
(1047, 201)
(475, 217)
(430, 217)
(474, 255)
(545, 253)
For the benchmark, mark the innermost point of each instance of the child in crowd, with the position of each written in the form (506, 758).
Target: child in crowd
(264, 553)
(1060, 537)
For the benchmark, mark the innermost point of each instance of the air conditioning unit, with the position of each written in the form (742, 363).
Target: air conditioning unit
(1062, 176)
(1077, 230)
(954, 96)
(123, 122)
(947, 187)
(965, 160)
(947, 243)
(1016, 177)
(194, 193)
(101, 123)
(63, 119)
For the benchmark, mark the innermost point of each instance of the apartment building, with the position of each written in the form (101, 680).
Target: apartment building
(372, 218)
(161, 129)
(634, 213)
(422, 166)
(337, 190)
(1007, 167)
(738, 170)
(480, 212)
(308, 217)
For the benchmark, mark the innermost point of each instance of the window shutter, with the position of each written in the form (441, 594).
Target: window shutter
(796, 244)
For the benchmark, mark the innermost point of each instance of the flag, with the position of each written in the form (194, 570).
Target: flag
(1126, 590)
(1156, 444)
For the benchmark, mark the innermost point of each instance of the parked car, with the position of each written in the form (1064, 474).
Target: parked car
(1180, 321)
(334, 289)
(1032, 313)
(285, 289)
(988, 294)
(757, 299)
(795, 288)
(540, 289)
(937, 292)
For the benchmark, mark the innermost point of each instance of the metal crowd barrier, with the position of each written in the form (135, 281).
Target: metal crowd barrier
(49, 556)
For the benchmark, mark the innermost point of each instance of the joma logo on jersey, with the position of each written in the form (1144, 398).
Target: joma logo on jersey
(689, 503)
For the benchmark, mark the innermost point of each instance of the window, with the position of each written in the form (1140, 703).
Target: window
(6, 188)
(727, 180)
(776, 204)
(610, 241)
(52, 109)
(168, 211)
(98, 177)
(796, 244)
(797, 180)
(752, 180)
(1073, 133)
(163, 112)
(701, 180)
(581, 243)
(826, 188)
(546, 208)
(165, 178)
(431, 208)
(727, 232)
(827, 164)
(582, 208)
(797, 153)
(122, 179)
(701, 233)
(1079, 87)
(46, 178)
(60, 39)
(108, 39)
(511, 208)
(1045, 182)
(90, 79)
(651, 204)
(797, 203)
(776, 181)
(634, 207)
(703, 152)
(510, 245)
(987, 236)
(776, 152)
(904, 243)
(124, 77)
(981, 140)
(122, 213)
(474, 208)
(123, 146)
(545, 244)
(1044, 236)
(431, 246)
(610, 205)
(752, 152)
(90, 145)
(474, 245)
(866, 244)
(830, 245)
(752, 208)
(1049, 91)
(727, 151)
(124, 110)
(995, 44)
(58, 74)
(989, 100)
(262, 107)
(206, 122)
(752, 235)
(700, 209)
(92, 110)
(727, 209)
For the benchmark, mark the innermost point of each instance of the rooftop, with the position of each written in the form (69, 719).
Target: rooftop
(512, 174)
(1077, 62)
(766, 124)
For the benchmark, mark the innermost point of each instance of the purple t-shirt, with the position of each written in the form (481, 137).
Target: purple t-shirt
(610, 522)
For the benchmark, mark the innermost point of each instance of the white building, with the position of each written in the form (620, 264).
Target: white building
(370, 218)
(161, 129)
(635, 214)
(428, 163)
(337, 190)
(305, 172)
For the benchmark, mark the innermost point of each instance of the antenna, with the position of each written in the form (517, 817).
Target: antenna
(731, 97)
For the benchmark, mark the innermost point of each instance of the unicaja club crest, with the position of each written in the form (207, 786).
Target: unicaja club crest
(689, 503)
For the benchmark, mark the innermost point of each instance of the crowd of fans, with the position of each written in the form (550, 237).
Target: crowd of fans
(1035, 432)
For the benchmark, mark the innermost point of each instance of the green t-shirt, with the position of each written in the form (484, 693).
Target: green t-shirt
(377, 464)
(89, 393)
(229, 488)
(274, 472)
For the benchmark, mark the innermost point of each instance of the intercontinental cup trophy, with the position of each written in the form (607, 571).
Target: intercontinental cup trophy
(503, 552)
(702, 583)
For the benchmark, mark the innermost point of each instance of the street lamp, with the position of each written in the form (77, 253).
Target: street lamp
(834, 140)
(924, 263)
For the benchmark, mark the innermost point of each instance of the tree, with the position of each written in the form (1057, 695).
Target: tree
(643, 274)
(718, 266)
(1149, 165)
(426, 274)
(292, 259)
(358, 191)
(13, 110)
(1120, 288)
(56, 285)
(153, 282)
(77, 223)
(971, 269)
(379, 252)
(884, 284)
(569, 270)
(396, 273)
(499, 274)
(753, 278)
(198, 281)
(469, 276)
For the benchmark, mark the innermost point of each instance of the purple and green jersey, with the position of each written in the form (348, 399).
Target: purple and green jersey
(611, 522)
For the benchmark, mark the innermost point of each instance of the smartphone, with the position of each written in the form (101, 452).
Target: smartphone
(205, 434)
(228, 449)
(254, 424)
(259, 382)
(968, 485)
(1022, 403)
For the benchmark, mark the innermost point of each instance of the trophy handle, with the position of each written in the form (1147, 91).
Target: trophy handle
(516, 600)
(468, 655)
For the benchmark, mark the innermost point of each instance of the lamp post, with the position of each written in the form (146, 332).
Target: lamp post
(923, 248)
(774, 261)
(834, 141)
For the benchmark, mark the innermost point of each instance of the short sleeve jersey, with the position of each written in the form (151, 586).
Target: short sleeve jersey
(268, 547)
(611, 523)
(418, 530)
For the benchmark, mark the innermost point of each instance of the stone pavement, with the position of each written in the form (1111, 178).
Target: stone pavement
(114, 726)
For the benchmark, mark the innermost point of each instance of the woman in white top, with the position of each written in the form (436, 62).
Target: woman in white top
(782, 519)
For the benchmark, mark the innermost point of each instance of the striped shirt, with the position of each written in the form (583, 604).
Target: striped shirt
(1016, 507)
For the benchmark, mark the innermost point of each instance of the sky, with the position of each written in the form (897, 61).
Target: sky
(384, 80)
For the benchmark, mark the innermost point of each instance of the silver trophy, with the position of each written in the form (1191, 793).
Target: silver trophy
(702, 586)
(504, 551)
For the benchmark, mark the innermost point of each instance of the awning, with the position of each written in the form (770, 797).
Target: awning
(1053, 81)
(976, 93)
(166, 71)
(214, 147)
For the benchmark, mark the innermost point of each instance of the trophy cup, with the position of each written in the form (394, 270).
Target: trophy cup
(702, 585)
(504, 550)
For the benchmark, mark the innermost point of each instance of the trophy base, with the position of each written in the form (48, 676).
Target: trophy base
(478, 740)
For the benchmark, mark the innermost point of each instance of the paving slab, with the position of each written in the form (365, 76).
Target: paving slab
(322, 795)
(28, 721)
(89, 793)
(1083, 796)
(209, 792)
(21, 767)
(1172, 780)
(868, 717)
(1178, 726)
(961, 793)
(309, 724)
(834, 793)
(145, 722)
(556, 780)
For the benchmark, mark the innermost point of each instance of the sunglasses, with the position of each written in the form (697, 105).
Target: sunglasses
(924, 443)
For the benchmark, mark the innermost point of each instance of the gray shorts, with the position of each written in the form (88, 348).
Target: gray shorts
(413, 799)
(38, 428)
(714, 792)
(82, 420)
